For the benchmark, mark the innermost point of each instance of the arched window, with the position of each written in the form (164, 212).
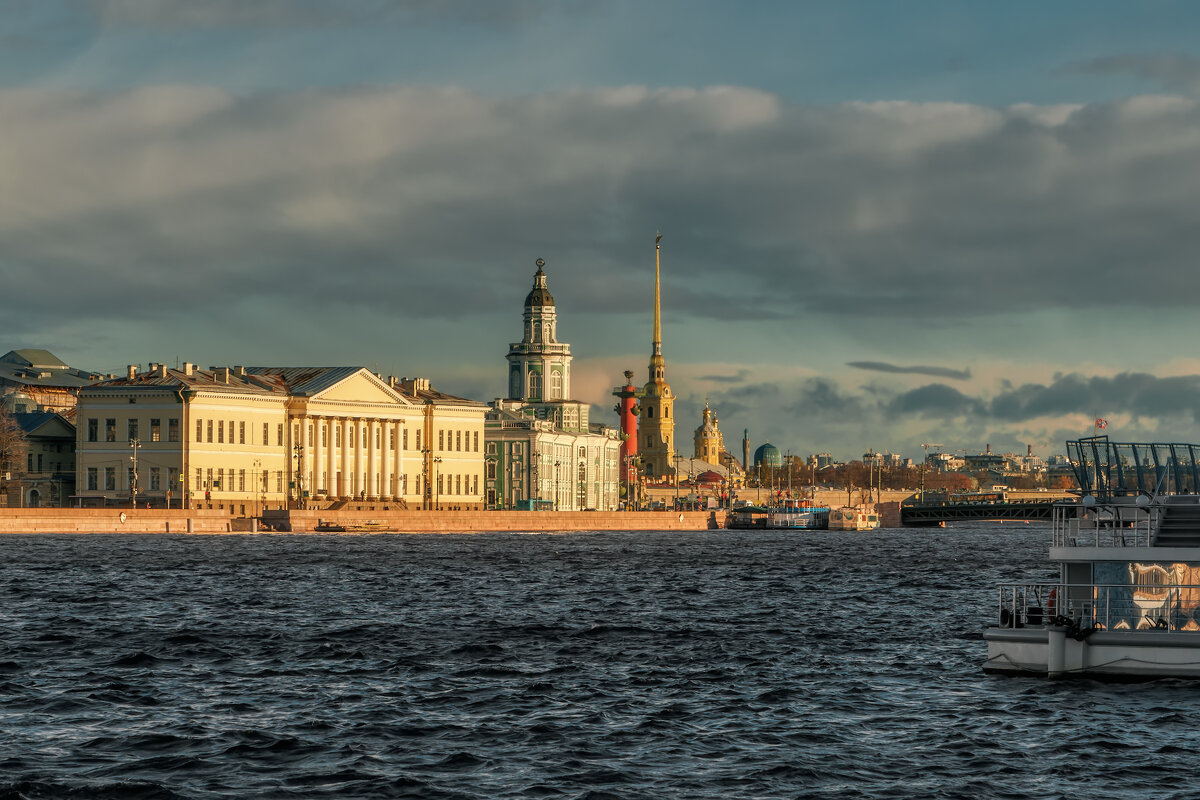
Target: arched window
(535, 385)
(649, 412)
(555, 385)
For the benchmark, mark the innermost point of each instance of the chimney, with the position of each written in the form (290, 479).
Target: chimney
(1029, 450)
(161, 369)
(222, 374)
(240, 371)
(989, 450)
(414, 385)
(392, 381)
(188, 368)
(132, 371)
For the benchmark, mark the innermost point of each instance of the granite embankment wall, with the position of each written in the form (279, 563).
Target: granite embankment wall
(112, 520)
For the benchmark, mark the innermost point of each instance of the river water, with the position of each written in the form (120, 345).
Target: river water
(604, 665)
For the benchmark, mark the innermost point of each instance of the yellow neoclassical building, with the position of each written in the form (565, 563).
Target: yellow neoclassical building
(247, 438)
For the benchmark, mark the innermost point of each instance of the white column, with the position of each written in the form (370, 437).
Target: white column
(372, 427)
(330, 458)
(359, 425)
(399, 461)
(315, 481)
(347, 478)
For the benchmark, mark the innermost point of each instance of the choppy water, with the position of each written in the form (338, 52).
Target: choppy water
(615, 665)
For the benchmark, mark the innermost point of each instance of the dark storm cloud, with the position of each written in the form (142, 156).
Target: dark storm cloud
(936, 372)
(737, 377)
(936, 399)
(1139, 394)
(820, 396)
(416, 200)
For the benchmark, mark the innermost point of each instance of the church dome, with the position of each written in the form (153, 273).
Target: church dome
(539, 295)
(768, 456)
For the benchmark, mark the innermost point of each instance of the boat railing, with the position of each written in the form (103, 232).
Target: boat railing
(1090, 607)
(1105, 525)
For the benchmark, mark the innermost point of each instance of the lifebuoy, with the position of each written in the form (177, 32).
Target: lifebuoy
(122, 516)
(850, 518)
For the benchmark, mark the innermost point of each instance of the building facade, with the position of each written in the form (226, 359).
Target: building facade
(246, 439)
(542, 452)
(37, 380)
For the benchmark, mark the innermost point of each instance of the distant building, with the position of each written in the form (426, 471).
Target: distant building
(37, 380)
(768, 455)
(541, 450)
(47, 476)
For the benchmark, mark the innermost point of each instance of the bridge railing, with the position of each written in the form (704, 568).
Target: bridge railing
(1102, 525)
(1132, 607)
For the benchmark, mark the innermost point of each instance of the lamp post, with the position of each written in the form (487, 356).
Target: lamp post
(257, 483)
(437, 501)
(298, 449)
(557, 465)
(134, 444)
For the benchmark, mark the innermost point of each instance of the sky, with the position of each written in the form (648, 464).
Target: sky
(884, 224)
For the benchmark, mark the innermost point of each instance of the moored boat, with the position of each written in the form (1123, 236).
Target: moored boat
(798, 514)
(862, 517)
(1126, 601)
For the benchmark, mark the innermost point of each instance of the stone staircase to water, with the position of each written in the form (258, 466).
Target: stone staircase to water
(1179, 526)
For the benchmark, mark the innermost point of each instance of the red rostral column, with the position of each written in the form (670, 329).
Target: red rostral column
(627, 410)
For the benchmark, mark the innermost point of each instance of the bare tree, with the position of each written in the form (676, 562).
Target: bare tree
(13, 447)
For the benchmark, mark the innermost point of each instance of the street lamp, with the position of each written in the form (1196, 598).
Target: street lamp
(134, 444)
(298, 449)
(437, 503)
(557, 464)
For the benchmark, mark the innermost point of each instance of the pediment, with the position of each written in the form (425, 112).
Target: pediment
(361, 387)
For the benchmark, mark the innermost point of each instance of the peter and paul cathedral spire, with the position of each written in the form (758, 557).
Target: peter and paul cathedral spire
(657, 423)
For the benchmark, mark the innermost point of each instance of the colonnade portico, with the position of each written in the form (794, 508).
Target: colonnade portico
(348, 457)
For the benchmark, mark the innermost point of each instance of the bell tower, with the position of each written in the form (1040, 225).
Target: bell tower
(656, 426)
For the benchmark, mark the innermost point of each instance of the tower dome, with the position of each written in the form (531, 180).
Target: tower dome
(768, 455)
(539, 295)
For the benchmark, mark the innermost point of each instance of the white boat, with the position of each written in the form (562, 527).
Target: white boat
(862, 517)
(798, 514)
(1126, 600)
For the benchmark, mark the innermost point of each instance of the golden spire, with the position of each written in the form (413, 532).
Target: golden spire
(656, 358)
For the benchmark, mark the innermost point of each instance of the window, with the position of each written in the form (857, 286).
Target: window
(220, 483)
(279, 435)
(221, 431)
(418, 440)
(475, 484)
(199, 478)
(93, 430)
(391, 439)
(156, 430)
(199, 430)
(338, 435)
(556, 385)
(209, 476)
(110, 479)
(265, 479)
(458, 440)
(440, 483)
(491, 448)
(324, 436)
(173, 430)
(266, 434)
(666, 411)
(405, 434)
(441, 440)
(515, 470)
(310, 435)
(110, 430)
(364, 435)
(131, 429)
(476, 441)
(241, 480)
(279, 473)
(649, 412)
(535, 385)
(93, 481)
(458, 484)
(518, 448)
(210, 431)
(491, 470)
(172, 478)
(241, 433)
(155, 479)
(404, 483)
(649, 441)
